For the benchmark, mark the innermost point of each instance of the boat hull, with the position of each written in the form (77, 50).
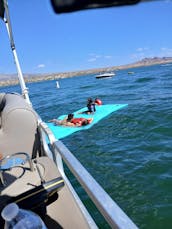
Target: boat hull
(105, 75)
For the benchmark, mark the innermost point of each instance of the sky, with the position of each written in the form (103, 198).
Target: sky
(52, 43)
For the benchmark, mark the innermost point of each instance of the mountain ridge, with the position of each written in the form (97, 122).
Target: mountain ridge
(8, 79)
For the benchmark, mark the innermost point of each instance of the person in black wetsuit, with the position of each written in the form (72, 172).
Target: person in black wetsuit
(90, 106)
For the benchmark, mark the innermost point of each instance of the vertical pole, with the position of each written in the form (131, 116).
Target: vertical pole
(20, 75)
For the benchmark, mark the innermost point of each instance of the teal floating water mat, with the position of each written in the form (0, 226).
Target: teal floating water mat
(101, 112)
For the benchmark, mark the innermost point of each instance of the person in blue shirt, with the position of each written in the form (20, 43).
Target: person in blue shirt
(90, 106)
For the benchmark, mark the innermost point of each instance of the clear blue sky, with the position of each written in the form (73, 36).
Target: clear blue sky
(47, 42)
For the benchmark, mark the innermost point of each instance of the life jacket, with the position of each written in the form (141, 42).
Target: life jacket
(81, 121)
(77, 120)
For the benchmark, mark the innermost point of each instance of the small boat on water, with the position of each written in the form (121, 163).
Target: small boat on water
(105, 75)
(31, 165)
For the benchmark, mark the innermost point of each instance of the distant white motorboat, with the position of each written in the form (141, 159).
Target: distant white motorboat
(105, 75)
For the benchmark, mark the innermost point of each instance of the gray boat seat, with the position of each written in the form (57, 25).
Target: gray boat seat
(18, 125)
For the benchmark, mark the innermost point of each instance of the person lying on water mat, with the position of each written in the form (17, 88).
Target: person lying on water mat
(71, 121)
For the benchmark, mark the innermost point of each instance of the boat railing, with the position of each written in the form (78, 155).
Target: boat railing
(112, 213)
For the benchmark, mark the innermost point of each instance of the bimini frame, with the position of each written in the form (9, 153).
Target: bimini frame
(10, 34)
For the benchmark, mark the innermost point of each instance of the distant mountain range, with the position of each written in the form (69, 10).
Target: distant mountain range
(153, 60)
(6, 80)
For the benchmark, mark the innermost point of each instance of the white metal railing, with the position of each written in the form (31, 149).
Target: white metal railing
(113, 214)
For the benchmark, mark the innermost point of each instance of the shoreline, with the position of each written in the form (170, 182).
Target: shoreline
(9, 80)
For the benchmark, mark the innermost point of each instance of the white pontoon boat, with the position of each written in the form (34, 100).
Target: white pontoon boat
(31, 171)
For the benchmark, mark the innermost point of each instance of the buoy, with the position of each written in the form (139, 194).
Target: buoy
(98, 102)
(57, 84)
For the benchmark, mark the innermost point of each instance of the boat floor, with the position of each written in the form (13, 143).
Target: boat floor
(62, 213)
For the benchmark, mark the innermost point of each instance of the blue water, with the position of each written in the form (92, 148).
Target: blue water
(129, 152)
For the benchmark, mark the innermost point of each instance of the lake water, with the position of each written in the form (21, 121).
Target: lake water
(129, 152)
